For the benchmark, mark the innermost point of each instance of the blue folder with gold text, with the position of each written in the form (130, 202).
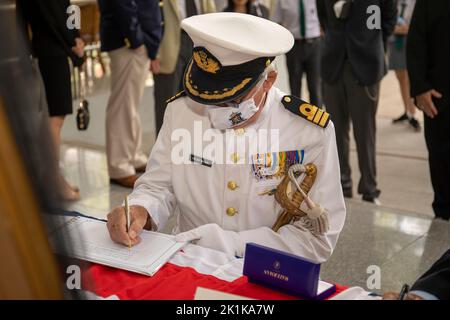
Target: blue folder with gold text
(285, 272)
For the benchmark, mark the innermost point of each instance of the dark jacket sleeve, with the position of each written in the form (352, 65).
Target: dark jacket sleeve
(322, 14)
(47, 20)
(416, 50)
(388, 18)
(437, 279)
(55, 14)
(139, 25)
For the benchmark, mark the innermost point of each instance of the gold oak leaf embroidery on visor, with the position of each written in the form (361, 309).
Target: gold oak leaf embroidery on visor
(205, 63)
(207, 96)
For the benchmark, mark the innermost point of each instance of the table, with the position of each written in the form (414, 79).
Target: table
(191, 267)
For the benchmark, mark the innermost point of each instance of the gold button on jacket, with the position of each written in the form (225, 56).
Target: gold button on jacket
(232, 185)
(231, 212)
(235, 157)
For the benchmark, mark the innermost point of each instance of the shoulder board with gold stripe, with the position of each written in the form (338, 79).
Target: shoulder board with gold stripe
(307, 111)
(175, 97)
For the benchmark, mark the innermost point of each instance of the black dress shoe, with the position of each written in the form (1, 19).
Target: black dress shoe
(402, 118)
(415, 124)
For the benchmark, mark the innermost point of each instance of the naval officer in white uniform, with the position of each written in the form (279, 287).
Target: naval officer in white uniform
(228, 140)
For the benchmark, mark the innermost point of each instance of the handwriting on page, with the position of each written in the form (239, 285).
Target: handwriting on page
(121, 254)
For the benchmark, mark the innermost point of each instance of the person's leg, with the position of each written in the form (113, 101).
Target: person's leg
(301, 60)
(312, 69)
(437, 137)
(184, 57)
(55, 124)
(401, 79)
(128, 72)
(410, 109)
(165, 88)
(68, 192)
(335, 99)
(362, 104)
(55, 72)
(141, 67)
(293, 63)
(409, 103)
(167, 85)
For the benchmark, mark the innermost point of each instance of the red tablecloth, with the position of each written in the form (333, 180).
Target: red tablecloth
(171, 282)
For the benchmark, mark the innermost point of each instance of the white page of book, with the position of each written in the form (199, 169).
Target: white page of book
(90, 241)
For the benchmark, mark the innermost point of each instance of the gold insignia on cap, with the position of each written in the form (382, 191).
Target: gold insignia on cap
(205, 62)
(206, 94)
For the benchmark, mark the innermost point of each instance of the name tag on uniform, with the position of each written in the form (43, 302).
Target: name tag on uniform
(200, 160)
(286, 272)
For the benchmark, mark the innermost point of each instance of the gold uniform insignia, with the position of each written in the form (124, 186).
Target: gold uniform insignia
(306, 111)
(205, 62)
(175, 97)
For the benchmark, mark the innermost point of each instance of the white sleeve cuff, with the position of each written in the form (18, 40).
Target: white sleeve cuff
(153, 208)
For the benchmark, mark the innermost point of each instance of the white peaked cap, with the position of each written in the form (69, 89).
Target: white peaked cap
(235, 38)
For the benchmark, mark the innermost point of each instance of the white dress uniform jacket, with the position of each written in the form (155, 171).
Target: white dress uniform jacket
(225, 199)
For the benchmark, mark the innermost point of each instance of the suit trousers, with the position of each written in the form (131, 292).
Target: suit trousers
(304, 57)
(347, 100)
(167, 85)
(437, 137)
(129, 69)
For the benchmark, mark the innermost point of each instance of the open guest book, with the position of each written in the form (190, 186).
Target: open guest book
(90, 240)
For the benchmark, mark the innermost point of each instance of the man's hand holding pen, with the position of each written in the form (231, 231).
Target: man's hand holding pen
(117, 224)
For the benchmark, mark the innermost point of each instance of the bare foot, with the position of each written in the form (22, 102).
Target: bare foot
(67, 191)
(74, 188)
(68, 194)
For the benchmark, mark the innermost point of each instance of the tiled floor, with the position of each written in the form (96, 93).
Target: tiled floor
(402, 245)
(400, 238)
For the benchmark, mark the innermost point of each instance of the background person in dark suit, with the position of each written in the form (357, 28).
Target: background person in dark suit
(130, 31)
(428, 59)
(52, 43)
(353, 63)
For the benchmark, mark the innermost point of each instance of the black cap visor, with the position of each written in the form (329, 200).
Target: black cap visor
(207, 82)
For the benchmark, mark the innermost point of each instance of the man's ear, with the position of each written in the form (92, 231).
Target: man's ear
(271, 78)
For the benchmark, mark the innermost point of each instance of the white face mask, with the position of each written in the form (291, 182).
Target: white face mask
(228, 117)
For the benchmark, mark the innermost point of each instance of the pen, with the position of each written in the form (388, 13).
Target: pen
(403, 292)
(127, 217)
